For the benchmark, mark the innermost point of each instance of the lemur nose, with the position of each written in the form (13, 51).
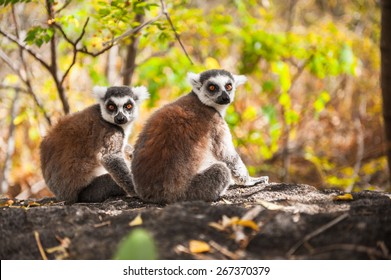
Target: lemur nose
(120, 119)
(223, 98)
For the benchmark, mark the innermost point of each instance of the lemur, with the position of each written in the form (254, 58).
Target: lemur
(185, 150)
(83, 155)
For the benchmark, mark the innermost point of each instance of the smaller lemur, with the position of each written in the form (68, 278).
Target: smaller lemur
(185, 150)
(83, 157)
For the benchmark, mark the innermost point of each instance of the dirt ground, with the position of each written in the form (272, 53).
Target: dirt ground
(276, 221)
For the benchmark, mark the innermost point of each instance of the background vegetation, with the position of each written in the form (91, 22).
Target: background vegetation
(310, 112)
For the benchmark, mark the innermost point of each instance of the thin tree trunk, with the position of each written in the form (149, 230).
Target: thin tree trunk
(5, 172)
(130, 63)
(385, 47)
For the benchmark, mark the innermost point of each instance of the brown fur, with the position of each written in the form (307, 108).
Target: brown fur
(170, 149)
(72, 149)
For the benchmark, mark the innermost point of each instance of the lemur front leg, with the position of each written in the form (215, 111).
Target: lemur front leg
(113, 160)
(238, 169)
(240, 174)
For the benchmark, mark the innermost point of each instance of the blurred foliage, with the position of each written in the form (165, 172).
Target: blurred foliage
(313, 93)
(137, 245)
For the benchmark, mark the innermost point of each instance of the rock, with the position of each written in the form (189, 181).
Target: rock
(287, 221)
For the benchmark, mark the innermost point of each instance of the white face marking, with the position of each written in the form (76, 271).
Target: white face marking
(210, 100)
(221, 81)
(120, 102)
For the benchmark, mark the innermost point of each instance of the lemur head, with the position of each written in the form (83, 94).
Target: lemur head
(119, 105)
(216, 88)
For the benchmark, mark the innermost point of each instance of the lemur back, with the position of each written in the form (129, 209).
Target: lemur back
(83, 156)
(185, 150)
(170, 148)
(70, 134)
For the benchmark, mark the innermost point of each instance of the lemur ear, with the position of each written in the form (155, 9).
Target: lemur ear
(99, 92)
(194, 79)
(239, 79)
(140, 93)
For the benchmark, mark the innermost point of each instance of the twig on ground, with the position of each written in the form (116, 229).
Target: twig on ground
(223, 250)
(371, 252)
(107, 223)
(39, 244)
(240, 236)
(316, 232)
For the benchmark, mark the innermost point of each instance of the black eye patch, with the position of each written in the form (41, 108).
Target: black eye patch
(111, 107)
(128, 106)
(213, 88)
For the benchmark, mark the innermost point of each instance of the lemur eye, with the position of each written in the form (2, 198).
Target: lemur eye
(128, 106)
(212, 87)
(228, 87)
(111, 107)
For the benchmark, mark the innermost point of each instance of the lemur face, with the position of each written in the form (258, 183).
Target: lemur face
(119, 105)
(215, 88)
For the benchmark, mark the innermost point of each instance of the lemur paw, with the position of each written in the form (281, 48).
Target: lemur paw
(252, 181)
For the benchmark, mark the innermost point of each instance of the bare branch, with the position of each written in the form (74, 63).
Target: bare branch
(64, 6)
(85, 51)
(74, 45)
(133, 30)
(148, 22)
(16, 88)
(83, 31)
(26, 81)
(165, 12)
(24, 47)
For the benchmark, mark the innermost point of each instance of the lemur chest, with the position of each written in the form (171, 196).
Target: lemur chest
(218, 146)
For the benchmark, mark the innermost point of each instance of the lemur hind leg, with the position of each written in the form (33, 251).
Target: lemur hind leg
(209, 184)
(100, 189)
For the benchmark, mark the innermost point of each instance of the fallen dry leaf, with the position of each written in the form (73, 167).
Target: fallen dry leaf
(343, 197)
(136, 221)
(248, 224)
(7, 203)
(197, 246)
(226, 223)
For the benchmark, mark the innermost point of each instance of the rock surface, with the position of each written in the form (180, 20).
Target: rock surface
(276, 221)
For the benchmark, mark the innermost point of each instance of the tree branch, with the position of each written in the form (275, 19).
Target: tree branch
(29, 90)
(165, 12)
(132, 31)
(24, 47)
(67, 2)
(74, 46)
(148, 22)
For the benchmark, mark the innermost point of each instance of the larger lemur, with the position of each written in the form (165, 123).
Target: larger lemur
(83, 155)
(185, 150)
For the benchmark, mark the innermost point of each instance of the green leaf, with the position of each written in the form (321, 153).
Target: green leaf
(282, 69)
(7, 2)
(268, 86)
(321, 102)
(249, 114)
(39, 35)
(346, 59)
(138, 245)
(285, 100)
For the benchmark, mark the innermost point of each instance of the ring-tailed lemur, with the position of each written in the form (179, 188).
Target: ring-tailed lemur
(185, 150)
(83, 155)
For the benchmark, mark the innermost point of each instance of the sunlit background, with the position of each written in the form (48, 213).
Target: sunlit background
(310, 112)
